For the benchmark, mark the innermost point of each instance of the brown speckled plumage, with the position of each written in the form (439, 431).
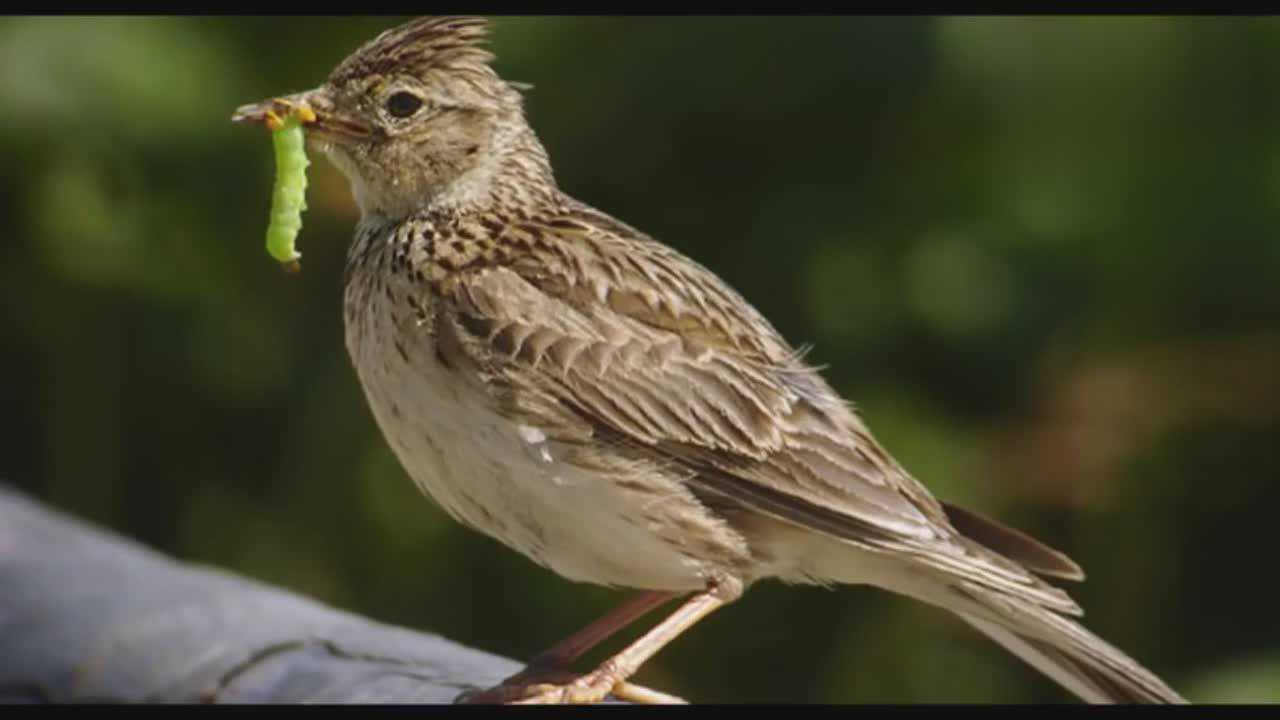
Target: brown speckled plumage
(610, 408)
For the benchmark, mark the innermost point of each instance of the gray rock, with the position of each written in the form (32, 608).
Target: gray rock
(87, 616)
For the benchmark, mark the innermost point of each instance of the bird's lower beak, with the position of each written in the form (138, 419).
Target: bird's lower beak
(313, 108)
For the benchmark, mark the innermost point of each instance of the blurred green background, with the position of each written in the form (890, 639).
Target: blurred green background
(1041, 254)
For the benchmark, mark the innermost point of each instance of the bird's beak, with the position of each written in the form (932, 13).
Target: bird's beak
(314, 108)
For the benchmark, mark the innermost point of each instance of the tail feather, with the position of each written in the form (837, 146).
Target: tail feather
(1046, 660)
(1060, 648)
(988, 575)
(1013, 544)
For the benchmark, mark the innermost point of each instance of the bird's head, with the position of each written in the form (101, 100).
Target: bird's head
(417, 117)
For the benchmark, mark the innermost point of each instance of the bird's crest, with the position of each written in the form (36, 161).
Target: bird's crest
(421, 46)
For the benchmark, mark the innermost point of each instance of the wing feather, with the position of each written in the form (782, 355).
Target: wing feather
(680, 367)
(675, 367)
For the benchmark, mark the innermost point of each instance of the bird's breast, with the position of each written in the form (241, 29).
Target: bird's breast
(500, 477)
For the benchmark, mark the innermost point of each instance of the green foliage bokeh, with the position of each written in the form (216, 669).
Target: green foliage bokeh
(1041, 255)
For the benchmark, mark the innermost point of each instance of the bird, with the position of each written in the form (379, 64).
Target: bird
(613, 410)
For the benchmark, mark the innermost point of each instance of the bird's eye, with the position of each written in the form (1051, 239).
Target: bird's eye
(403, 104)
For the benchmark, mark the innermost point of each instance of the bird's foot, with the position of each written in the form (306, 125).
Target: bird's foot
(534, 686)
(584, 690)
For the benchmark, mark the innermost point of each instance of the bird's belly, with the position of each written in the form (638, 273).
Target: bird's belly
(500, 478)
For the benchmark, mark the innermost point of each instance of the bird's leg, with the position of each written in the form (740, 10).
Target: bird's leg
(613, 673)
(553, 663)
(581, 642)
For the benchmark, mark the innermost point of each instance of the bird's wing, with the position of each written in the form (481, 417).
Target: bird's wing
(582, 325)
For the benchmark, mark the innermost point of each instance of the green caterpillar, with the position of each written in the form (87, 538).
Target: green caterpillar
(288, 197)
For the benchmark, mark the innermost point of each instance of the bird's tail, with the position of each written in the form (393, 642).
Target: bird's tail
(1057, 646)
(996, 590)
(992, 577)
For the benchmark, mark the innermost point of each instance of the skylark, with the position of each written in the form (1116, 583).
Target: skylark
(611, 409)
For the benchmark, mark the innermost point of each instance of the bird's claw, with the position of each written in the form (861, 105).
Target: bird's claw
(588, 689)
(560, 687)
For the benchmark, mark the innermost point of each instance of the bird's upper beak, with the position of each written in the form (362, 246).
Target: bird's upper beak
(314, 108)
